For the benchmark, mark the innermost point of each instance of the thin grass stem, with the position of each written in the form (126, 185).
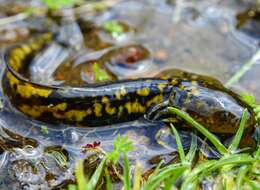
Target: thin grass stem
(127, 182)
(246, 67)
(236, 140)
(179, 144)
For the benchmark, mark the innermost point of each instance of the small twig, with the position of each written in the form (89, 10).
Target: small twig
(15, 18)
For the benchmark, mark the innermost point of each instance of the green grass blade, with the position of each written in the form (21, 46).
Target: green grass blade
(213, 139)
(108, 180)
(246, 67)
(192, 177)
(241, 175)
(100, 75)
(193, 148)
(80, 176)
(255, 185)
(127, 177)
(72, 187)
(168, 184)
(235, 159)
(179, 144)
(236, 140)
(157, 169)
(174, 171)
(95, 177)
(257, 153)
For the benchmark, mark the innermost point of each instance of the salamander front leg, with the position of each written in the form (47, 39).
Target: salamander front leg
(157, 111)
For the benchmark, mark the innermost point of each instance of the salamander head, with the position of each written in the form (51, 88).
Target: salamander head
(219, 111)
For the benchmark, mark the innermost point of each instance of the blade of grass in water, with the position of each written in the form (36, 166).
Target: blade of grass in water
(236, 140)
(193, 148)
(157, 169)
(81, 180)
(214, 140)
(127, 185)
(179, 144)
(108, 180)
(246, 67)
(95, 177)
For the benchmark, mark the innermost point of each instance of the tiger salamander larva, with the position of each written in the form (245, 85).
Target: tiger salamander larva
(101, 104)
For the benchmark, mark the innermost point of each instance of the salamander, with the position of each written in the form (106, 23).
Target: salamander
(204, 98)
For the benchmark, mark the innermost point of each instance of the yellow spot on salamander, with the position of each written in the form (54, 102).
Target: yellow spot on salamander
(134, 107)
(98, 109)
(143, 92)
(15, 63)
(73, 115)
(77, 114)
(161, 87)
(105, 99)
(120, 111)
(110, 110)
(173, 82)
(181, 87)
(32, 111)
(18, 52)
(156, 99)
(59, 107)
(36, 111)
(27, 50)
(35, 46)
(27, 90)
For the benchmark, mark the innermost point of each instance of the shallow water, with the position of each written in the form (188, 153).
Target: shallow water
(202, 39)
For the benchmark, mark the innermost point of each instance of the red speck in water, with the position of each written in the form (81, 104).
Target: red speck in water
(95, 144)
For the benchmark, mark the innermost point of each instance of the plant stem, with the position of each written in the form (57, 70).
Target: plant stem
(127, 182)
(238, 136)
(179, 144)
(246, 67)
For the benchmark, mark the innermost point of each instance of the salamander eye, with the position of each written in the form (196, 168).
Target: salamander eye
(225, 115)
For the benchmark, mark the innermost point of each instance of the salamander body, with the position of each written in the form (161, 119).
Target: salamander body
(204, 98)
